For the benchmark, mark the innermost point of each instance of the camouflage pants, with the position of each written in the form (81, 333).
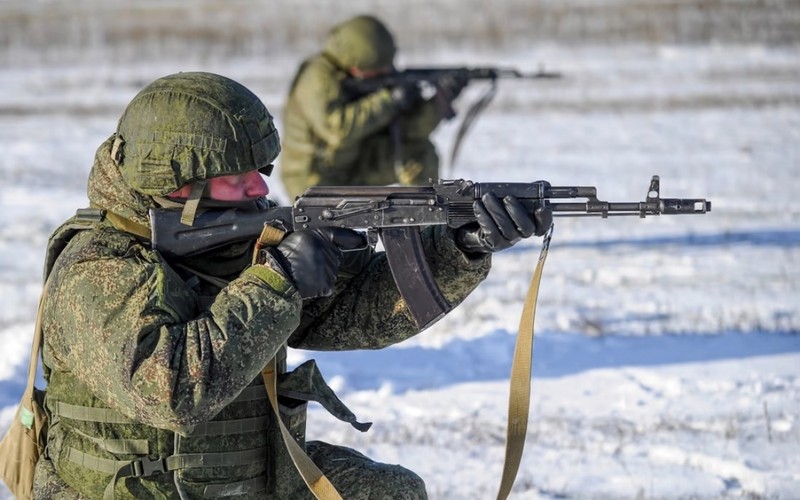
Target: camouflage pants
(356, 477)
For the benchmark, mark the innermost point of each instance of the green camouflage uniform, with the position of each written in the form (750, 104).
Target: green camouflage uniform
(331, 138)
(146, 361)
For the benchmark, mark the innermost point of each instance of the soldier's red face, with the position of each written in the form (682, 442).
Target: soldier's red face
(370, 73)
(242, 187)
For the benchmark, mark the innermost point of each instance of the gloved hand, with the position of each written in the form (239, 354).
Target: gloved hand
(407, 96)
(311, 258)
(354, 261)
(451, 84)
(500, 224)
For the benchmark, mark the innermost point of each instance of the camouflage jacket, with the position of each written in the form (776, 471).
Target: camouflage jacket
(147, 365)
(330, 138)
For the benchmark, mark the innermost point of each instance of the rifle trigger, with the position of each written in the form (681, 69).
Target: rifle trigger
(372, 237)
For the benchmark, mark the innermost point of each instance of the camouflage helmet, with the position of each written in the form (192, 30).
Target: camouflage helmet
(190, 127)
(362, 42)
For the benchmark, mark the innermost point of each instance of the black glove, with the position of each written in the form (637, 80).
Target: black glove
(451, 84)
(407, 96)
(311, 258)
(500, 224)
(355, 261)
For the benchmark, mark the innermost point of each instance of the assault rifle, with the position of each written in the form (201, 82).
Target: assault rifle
(395, 214)
(433, 77)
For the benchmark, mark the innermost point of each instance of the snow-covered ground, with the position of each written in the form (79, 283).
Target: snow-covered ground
(667, 359)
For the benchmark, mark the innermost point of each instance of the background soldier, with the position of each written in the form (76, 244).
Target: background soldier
(334, 138)
(153, 366)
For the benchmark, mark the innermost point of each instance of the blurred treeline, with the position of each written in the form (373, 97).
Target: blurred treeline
(38, 31)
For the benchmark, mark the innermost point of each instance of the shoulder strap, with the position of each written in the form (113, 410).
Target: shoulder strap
(37, 343)
(127, 225)
(84, 218)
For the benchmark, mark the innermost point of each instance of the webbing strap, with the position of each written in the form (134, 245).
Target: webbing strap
(89, 414)
(193, 202)
(519, 397)
(251, 393)
(101, 465)
(214, 428)
(146, 466)
(230, 427)
(316, 481)
(118, 446)
(128, 226)
(122, 446)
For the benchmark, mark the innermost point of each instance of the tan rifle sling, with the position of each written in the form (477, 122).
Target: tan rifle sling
(519, 397)
(316, 481)
(518, 400)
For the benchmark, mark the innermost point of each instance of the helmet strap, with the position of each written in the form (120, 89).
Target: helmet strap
(192, 202)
